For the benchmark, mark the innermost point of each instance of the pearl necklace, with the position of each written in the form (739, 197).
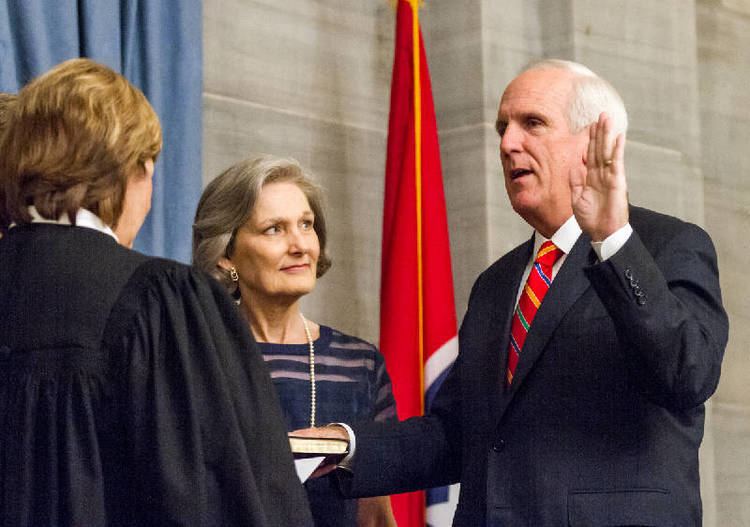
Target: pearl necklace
(312, 369)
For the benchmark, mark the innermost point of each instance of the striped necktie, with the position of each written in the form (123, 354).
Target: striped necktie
(537, 285)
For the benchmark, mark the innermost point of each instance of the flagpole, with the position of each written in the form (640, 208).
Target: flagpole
(417, 308)
(416, 66)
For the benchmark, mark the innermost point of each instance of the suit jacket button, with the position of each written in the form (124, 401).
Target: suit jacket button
(628, 273)
(4, 353)
(499, 445)
(641, 300)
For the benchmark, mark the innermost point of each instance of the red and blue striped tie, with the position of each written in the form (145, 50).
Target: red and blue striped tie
(537, 285)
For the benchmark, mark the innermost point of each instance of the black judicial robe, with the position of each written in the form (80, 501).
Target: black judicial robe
(131, 393)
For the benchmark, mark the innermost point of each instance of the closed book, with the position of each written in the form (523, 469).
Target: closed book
(318, 446)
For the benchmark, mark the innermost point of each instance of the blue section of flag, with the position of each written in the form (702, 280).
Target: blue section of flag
(437, 495)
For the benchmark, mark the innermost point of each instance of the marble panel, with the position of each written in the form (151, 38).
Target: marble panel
(728, 217)
(326, 58)
(501, 65)
(723, 41)
(465, 182)
(728, 199)
(349, 163)
(724, 55)
(647, 51)
(731, 425)
(557, 28)
(663, 180)
(741, 7)
(707, 467)
(452, 36)
(516, 32)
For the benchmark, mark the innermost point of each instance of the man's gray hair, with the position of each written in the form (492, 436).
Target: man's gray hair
(592, 95)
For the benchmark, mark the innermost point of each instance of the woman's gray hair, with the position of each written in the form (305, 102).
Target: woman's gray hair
(592, 95)
(228, 201)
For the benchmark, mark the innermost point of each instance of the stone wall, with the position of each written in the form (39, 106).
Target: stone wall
(723, 51)
(310, 79)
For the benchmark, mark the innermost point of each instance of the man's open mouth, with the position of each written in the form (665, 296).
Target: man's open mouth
(519, 172)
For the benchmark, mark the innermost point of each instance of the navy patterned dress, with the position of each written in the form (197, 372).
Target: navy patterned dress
(351, 385)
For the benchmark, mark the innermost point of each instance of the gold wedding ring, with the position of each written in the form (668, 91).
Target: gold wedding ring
(607, 162)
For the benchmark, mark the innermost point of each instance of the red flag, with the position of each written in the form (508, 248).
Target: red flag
(417, 310)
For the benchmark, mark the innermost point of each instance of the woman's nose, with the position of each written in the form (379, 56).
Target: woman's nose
(298, 241)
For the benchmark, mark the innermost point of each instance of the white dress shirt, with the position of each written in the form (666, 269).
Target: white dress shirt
(565, 238)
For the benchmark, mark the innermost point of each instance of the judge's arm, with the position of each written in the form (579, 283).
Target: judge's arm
(203, 423)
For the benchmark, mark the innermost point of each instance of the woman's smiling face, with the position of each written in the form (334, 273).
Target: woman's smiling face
(276, 251)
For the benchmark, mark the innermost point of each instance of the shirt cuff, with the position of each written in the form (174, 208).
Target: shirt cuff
(612, 243)
(347, 461)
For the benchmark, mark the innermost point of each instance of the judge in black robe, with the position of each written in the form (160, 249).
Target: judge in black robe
(130, 391)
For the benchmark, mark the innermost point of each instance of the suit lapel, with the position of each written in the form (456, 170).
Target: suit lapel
(569, 284)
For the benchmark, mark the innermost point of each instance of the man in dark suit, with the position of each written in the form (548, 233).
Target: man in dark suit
(579, 402)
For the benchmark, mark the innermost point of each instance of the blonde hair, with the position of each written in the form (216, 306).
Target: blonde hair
(77, 133)
(7, 100)
(228, 201)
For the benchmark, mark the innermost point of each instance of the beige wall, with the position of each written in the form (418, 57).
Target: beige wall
(310, 79)
(723, 51)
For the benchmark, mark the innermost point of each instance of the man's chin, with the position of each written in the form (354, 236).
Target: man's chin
(523, 204)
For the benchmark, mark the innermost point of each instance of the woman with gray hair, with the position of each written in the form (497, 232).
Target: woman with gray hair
(260, 230)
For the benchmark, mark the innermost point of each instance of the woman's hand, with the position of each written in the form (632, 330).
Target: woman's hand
(375, 512)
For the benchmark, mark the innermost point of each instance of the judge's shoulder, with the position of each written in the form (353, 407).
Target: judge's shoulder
(161, 285)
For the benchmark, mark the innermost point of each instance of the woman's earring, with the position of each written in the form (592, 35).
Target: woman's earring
(235, 277)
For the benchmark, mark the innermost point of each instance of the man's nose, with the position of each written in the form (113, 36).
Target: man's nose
(511, 139)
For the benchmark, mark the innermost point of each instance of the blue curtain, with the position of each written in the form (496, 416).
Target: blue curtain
(157, 45)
